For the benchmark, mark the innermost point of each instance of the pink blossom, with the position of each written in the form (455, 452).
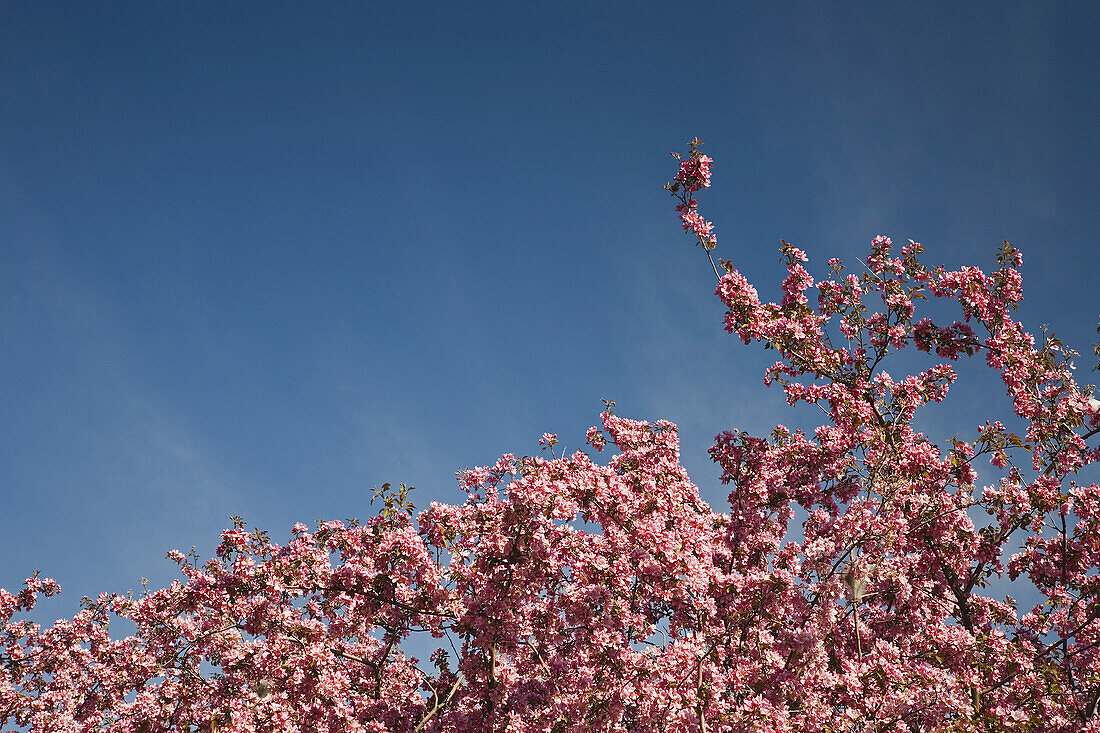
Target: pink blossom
(853, 581)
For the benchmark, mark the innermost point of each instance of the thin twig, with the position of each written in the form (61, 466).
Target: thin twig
(438, 704)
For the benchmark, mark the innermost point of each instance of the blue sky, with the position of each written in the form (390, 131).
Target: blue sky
(257, 260)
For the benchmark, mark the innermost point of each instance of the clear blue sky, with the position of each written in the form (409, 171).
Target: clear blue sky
(258, 258)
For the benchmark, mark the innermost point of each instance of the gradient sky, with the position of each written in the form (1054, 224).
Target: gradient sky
(258, 258)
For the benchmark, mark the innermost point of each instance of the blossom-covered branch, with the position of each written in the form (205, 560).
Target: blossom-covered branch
(567, 594)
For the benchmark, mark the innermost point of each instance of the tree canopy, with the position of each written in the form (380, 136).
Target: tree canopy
(568, 593)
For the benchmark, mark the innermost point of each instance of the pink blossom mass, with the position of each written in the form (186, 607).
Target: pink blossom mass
(846, 586)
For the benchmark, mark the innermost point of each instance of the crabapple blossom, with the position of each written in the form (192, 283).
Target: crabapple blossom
(845, 586)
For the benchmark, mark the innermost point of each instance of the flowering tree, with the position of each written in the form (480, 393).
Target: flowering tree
(569, 595)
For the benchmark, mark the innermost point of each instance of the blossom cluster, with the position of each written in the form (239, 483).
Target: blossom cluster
(692, 176)
(845, 587)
